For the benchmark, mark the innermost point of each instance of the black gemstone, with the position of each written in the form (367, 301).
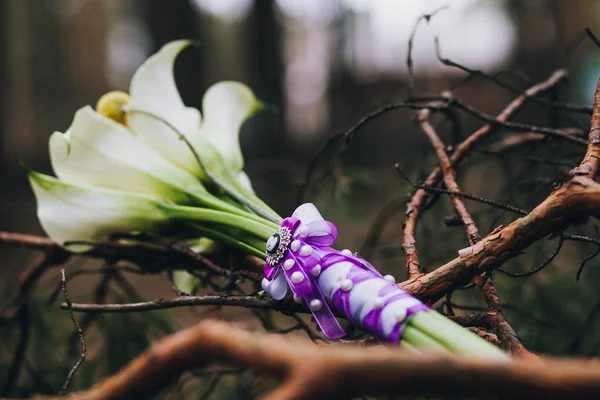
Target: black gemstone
(273, 244)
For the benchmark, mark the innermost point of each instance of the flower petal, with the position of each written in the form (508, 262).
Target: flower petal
(69, 212)
(153, 91)
(96, 151)
(226, 105)
(245, 181)
(307, 213)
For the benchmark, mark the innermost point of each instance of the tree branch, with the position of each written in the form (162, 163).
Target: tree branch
(578, 194)
(414, 206)
(484, 282)
(341, 371)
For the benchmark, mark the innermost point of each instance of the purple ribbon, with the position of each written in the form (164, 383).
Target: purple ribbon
(304, 254)
(308, 255)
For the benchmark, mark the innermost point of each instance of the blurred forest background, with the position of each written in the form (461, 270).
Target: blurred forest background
(323, 64)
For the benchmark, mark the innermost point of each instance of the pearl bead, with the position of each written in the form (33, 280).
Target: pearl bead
(288, 264)
(347, 285)
(297, 277)
(303, 231)
(306, 250)
(297, 299)
(346, 252)
(379, 303)
(400, 315)
(295, 245)
(316, 270)
(390, 278)
(316, 305)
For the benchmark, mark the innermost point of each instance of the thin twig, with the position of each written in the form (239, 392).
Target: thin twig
(409, 59)
(186, 301)
(464, 195)
(537, 269)
(82, 356)
(507, 85)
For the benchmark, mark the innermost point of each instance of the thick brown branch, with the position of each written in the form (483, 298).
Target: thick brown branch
(576, 195)
(342, 372)
(591, 162)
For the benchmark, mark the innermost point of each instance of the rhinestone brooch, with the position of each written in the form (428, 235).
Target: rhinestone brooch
(277, 245)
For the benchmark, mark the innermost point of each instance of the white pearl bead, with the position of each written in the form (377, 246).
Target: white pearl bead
(303, 231)
(297, 299)
(297, 277)
(306, 250)
(316, 270)
(289, 263)
(346, 252)
(347, 285)
(295, 245)
(400, 314)
(390, 278)
(379, 302)
(316, 305)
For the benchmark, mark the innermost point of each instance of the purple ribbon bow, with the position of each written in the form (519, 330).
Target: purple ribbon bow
(300, 266)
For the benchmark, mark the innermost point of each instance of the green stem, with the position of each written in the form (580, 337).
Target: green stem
(209, 216)
(422, 341)
(227, 239)
(210, 201)
(254, 199)
(453, 336)
(409, 347)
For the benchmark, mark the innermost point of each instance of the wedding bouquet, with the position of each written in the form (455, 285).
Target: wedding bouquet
(144, 161)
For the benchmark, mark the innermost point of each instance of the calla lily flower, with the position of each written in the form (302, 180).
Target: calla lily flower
(97, 151)
(125, 166)
(70, 212)
(215, 138)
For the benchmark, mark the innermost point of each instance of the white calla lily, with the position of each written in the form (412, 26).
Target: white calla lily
(125, 167)
(153, 91)
(157, 109)
(97, 151)
(226, 105)
(70, 212)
